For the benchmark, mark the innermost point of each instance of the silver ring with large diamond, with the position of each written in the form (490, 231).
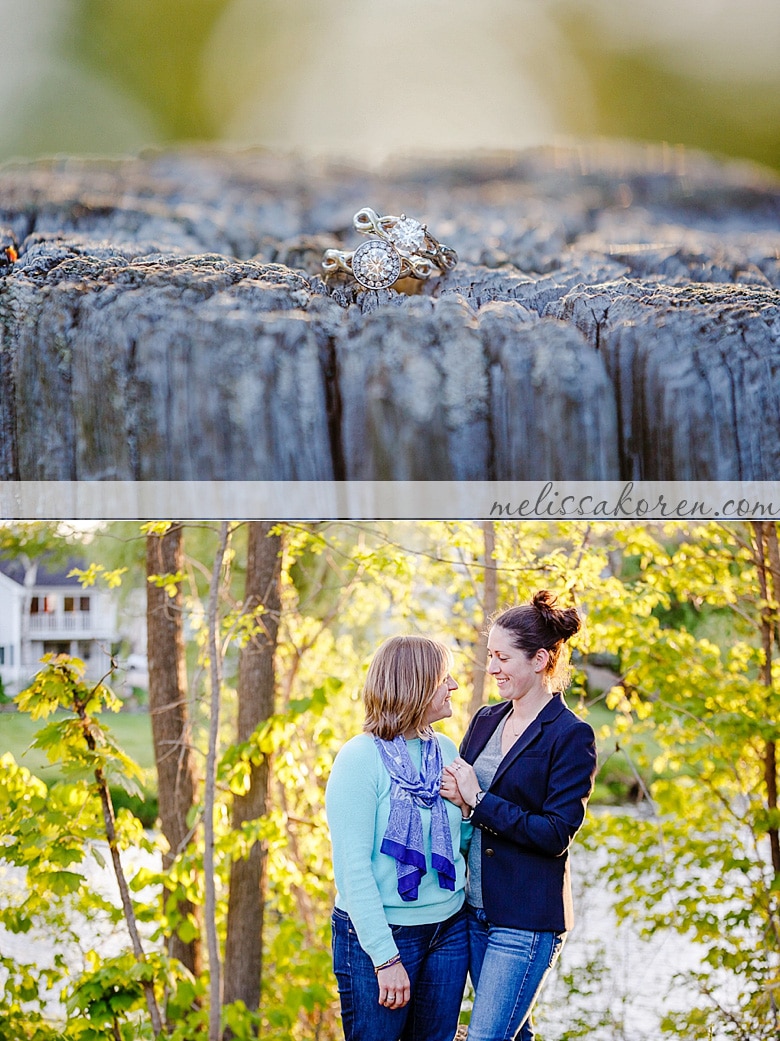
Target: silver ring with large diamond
(376, 264)
(409, 236)
(400, 247)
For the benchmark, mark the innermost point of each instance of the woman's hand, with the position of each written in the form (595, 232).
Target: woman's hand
(466, 780)
(449, 789)
(394, 987)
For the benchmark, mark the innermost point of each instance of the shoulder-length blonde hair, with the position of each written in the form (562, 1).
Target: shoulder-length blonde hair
(402, 678)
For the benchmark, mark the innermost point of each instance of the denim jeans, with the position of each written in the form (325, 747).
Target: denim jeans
(436, 959)
(507, 968)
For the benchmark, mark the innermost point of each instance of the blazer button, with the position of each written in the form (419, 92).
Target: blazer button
(490, 852)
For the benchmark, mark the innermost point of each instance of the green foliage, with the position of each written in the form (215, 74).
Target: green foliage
(33, 541)
(143, 806)
(88, 576)
(674, 609)
(49, 834)
(577, 993)
(637, 89)
(77, 741)
(21, 1011)
(165, 73)
(698, 863)
(111, 991)
(170, 583)
(303, 961)
(130, 730)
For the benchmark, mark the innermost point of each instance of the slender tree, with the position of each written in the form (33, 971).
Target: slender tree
(176, 769)
(256, 703)
(210, 788)
(59, 684)
(768, 566)
(489, 604)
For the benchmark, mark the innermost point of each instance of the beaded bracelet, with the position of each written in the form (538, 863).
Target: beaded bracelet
(386, 964)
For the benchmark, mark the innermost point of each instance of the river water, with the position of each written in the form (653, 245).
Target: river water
(624, 983)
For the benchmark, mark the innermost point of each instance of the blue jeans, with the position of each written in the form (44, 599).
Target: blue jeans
(507, 968)
(436, 959)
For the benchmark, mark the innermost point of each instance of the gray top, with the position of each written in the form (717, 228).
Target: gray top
(485, 766)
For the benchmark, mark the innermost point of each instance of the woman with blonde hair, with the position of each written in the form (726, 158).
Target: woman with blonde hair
(400, 948)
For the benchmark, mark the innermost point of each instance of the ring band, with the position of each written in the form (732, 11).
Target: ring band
(400, 247)
(376, 264)
(407, 235)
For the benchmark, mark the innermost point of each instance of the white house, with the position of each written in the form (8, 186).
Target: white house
(43, 611)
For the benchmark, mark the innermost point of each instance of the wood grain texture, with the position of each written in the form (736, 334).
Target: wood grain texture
(615, 315)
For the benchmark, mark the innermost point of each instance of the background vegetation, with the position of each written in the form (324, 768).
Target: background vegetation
(676, 667)
(372, 80)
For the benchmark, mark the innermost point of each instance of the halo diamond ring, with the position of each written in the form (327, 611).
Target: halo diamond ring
(399, 247)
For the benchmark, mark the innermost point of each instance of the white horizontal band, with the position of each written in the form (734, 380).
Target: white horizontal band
(391, 500)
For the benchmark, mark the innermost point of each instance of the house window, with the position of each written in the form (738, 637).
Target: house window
(56, 647)
(2, 655)
(43, 605)
(76, 610)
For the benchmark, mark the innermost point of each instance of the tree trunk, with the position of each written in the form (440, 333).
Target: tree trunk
(210, 787)
(768, 561)
(25, 641)
(176, 772)
(489, 604)
(256, 702)
(614, 315)
(109, 822)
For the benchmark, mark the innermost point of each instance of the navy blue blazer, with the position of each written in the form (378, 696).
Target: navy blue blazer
(530, 814)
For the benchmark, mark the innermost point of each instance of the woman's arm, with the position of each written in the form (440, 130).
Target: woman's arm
(552, 828)
(351, 799)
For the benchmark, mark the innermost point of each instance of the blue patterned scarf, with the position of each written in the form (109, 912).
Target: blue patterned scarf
(409, 790)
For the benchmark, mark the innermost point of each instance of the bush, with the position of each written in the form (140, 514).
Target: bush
(145, 807)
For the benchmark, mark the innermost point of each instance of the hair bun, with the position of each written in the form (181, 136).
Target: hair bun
(564, 622)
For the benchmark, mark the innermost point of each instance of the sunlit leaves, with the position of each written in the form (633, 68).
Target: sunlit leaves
(156, 527)
(88, 576)
(77, 740)
(60, 684)
(693, 686)
(169, 582)
(684, 721)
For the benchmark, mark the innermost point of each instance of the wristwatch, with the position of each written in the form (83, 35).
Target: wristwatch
(477, 800)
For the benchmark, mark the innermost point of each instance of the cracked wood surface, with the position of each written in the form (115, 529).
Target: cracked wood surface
(615, 315)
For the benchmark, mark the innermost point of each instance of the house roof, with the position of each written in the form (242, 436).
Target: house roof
(55, 576)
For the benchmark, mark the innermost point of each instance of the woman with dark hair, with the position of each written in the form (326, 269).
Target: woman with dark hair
(400, 945)
(523, 778)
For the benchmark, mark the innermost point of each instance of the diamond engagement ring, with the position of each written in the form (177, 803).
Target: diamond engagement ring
(400, 247)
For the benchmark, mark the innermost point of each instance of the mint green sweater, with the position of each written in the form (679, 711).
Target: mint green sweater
(357, 802)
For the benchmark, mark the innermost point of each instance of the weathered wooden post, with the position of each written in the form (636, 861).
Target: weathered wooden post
(614, 315)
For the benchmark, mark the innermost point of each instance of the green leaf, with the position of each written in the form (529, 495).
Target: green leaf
(188, 930)
(61, 882)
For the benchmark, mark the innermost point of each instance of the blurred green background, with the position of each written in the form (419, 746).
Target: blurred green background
(369, 80)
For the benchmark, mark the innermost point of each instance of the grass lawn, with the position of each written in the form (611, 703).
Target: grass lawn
(132, 731)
